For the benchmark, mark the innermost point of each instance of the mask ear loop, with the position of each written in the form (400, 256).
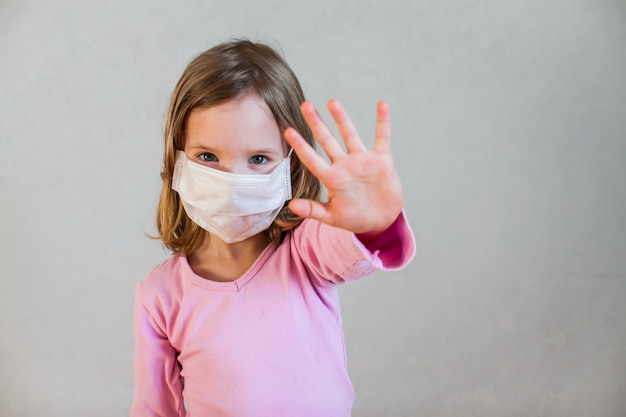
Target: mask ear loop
(288, 177)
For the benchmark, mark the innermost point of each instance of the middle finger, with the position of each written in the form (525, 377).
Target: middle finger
(321, 132)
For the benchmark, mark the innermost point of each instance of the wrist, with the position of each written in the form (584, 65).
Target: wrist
(373, 235)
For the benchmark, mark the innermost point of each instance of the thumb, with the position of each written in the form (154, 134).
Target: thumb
(309, 209)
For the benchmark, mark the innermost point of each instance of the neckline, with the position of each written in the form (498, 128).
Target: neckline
(235, 285)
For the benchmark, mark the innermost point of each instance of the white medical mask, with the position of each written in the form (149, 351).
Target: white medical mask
(234, 207)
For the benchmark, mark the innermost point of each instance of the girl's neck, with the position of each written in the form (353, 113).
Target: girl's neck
(216, 260)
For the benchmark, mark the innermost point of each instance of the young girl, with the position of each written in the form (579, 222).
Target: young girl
(243, 320)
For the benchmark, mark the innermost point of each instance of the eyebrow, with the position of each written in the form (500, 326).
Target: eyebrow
(200, 147)
(267, 151)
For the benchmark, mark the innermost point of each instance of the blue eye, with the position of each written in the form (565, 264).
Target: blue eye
(207, 157)
(258, 160)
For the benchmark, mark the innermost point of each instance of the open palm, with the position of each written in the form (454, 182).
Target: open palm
(364, 191)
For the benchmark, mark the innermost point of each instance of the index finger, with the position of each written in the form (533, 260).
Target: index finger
(307, 155)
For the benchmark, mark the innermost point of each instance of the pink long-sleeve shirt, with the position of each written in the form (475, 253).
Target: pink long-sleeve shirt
(269, 344)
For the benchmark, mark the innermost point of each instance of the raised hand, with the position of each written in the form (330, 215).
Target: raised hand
(364, 191)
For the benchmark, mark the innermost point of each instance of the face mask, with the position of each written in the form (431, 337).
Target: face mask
(234, 207)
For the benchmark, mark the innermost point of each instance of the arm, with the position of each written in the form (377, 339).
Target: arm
(365, 195)
(158, 385)
(337, 255)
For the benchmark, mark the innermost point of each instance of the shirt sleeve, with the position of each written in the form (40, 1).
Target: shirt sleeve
(158, 384)
(394, 247)
(336, 255)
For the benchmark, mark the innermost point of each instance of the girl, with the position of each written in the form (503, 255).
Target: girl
(243, 320)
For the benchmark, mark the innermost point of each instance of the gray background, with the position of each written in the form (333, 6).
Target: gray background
(509, 135)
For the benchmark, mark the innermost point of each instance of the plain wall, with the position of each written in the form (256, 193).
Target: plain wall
(509, 133)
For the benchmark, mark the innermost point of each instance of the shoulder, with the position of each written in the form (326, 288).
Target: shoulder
(164, 280)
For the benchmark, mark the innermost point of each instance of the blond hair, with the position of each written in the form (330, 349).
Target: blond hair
(220, 74)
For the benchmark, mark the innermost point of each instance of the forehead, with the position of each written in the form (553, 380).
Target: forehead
(241, 122)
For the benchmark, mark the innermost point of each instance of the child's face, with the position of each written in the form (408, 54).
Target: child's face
(240, 136)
